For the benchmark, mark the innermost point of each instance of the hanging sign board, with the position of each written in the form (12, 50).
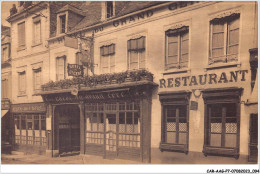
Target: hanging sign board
(75, 70)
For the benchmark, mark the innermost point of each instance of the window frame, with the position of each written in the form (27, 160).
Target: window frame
(226, 20)
(20, 45)
(138, 51)
(65, 63)
(110, 55)
(180, 35)
(37, 20)
(216, 96)
(20, 91)
(35, 71)
(176, 99)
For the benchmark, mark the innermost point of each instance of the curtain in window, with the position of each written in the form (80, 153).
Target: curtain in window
(37, 79)
(37, 32)
(21, 34)
(4, 89)
(136, 44)
(107, 50)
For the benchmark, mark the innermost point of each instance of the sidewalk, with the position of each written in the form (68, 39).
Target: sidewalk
(77, 159)
(157, 158)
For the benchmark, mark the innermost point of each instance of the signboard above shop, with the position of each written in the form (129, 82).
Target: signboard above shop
(75, 70)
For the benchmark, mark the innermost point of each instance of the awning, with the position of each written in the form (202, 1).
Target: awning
(3, 112)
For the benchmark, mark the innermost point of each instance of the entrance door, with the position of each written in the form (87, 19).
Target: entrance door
(111, 135)
(253, 130)
(69, 129)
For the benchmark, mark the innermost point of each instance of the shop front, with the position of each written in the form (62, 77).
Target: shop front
(112, 121)
(29, 127)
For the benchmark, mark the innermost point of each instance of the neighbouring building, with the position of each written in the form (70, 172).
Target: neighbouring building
(159, 77)
(6, 93)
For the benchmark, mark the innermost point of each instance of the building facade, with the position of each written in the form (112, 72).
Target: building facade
(159, 78)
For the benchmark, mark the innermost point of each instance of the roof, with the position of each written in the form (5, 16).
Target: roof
(92, 10)
(69, 7)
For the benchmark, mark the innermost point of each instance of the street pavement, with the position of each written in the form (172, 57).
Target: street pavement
(167, 158)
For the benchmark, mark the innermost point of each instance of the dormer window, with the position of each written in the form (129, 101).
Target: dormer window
(62, 23)
(109, 9)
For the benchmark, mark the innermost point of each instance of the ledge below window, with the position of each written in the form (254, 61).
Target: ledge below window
(37, 44)
(222, 65)
(24, 95)
(21, 48)
(176, 71)
(221, 151)
(174, 147)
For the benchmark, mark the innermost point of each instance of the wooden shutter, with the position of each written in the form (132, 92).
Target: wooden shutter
(184, 50)
(218, 41)
(172, 56)
(21, 34)
(233, 39)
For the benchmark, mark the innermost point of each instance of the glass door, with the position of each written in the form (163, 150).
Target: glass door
(111, 135)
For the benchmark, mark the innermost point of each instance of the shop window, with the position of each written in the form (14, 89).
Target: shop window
(32, 129)
(37, 79)
(21, 35)
(107, 58)
(175, 128)
(177, 48)
(136, 53)
(37, 30)
(60, 68)
(224, 39)
(109, 9)
(222, 120)
(22, 83)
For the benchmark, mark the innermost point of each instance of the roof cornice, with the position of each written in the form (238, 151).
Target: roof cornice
(24, 13)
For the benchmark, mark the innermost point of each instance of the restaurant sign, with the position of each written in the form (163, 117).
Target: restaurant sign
(28, 108)
(75, 70)
(204, 79)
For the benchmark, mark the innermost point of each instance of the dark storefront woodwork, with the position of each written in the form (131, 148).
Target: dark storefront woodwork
(30, 127)
(253, 143)
(222, 121)
(113, 123)
(175, 121)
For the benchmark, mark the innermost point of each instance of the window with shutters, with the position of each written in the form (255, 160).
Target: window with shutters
(60, 68)
(21, 35)
(177, 48)
(37, 79)
(224, 39)
(136, 53)
(37, 30)
(22, 83)
(107, 59)
(4, 88)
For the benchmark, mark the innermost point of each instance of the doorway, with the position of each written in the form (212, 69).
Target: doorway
(68, 124)
(253, 131)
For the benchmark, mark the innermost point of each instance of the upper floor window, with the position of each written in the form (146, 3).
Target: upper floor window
(136, 53)
(5, 54)
(37, 79)
(4, 88)
(60, 68)
(62, 23)
(109, 9)
(22, 83)
(37, 30)
(107, 59)
(177, 48)
(21, 34)
(224, 39)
